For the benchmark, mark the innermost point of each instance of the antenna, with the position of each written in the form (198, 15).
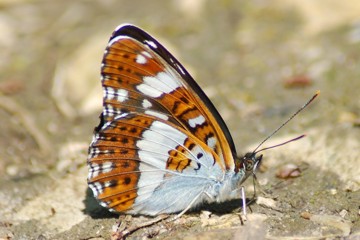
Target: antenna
(289, 119)
(280, 144)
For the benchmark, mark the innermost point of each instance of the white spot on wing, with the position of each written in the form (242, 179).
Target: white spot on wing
(168, 132)
(157, 114)
(149, 91)
(150, 43)
(140, 59)
(94, 152)
(211, 142)
(120, 95)
(196, 121)
(156, 86)
(180, 69)
(146, 104)
(108, 110)
(146, 54)
(107, 184)
(107, 167)
(169, 83)
(96, 169)
(93, 170)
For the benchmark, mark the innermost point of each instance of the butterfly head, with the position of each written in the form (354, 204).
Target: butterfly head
(248, 163)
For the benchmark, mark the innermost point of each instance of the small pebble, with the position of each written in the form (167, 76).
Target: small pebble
(288, 171)
(305, 215)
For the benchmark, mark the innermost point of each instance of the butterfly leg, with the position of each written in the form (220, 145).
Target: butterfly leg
(253, 199)
(243, 199)
(256, 182)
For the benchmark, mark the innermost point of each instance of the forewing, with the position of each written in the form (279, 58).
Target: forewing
(140, 75)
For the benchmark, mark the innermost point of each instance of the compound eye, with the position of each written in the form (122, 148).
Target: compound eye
(249, 165)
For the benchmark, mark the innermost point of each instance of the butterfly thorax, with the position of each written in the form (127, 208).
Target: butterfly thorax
(229, 187)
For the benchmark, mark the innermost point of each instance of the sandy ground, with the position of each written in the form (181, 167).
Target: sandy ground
(257, 61)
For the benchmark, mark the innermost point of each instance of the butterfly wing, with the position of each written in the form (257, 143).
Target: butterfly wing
(158, 130)
(198, 96)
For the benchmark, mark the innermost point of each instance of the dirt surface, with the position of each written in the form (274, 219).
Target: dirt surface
(258, 62)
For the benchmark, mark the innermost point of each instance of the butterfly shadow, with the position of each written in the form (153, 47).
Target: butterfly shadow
(93, 208)
(227, 207)
(95, 211)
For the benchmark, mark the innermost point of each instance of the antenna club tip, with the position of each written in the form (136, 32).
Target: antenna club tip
(317, 92)
(299, 137)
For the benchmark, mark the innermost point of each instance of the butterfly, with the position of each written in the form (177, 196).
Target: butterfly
(161, 145)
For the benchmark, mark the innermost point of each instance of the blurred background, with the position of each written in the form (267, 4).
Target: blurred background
(258, 61)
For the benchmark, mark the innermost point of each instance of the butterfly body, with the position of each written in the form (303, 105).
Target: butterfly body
(185, 191)
(161, 146)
